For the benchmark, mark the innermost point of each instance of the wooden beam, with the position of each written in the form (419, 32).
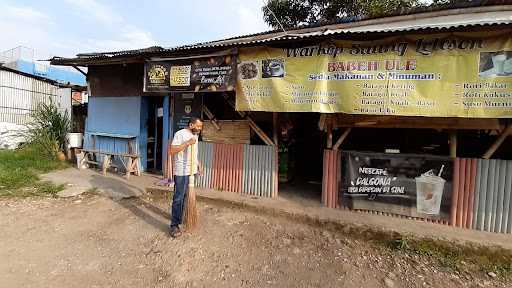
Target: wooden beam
(342, 138)
(488, 154)
(232, 104)
(252, 124)
(275, 126)
(260, 132)
(79, 70)
(453, 144)
(210, 116)
(385, 121)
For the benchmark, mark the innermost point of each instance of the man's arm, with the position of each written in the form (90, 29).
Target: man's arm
(178, 148)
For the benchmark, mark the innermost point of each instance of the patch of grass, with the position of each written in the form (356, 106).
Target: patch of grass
(451, 255)
(19, 170)
(458, 257)
(38, 189)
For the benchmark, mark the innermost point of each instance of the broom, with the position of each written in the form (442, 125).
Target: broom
(190, 216)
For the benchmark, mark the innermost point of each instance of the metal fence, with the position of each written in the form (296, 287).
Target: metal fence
(483, 195)
(244, 169)
(20, 95)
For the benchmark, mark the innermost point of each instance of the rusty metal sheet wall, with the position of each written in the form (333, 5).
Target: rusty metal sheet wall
(331, 178)
(464, 179)
(227, 164)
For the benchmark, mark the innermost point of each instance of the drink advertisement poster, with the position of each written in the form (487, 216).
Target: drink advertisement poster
(403, 184)
(442, 75)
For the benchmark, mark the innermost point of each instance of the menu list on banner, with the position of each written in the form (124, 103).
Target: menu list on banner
(455, 75)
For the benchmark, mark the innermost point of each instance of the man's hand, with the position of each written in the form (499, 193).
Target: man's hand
(178, 148)
(191, 141)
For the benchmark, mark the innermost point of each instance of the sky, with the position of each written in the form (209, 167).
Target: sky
(67, 27)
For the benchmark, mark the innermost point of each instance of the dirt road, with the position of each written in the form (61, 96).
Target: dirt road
(97, 242)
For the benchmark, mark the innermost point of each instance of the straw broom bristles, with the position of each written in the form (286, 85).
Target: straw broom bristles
(190, 216)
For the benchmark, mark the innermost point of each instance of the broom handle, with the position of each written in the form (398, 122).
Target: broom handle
(192, 163)
(170, 167)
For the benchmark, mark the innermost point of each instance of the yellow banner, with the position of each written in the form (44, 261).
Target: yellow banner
(445, 75)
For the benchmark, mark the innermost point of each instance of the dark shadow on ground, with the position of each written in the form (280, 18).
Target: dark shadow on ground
(307, 194)
(115, 188)
(126, 195)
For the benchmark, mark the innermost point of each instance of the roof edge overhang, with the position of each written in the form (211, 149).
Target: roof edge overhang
(295, 35)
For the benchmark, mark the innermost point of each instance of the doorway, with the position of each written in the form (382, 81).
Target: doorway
(155, 134)
(301, 146)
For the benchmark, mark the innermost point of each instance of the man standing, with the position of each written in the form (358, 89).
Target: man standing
(184, 150)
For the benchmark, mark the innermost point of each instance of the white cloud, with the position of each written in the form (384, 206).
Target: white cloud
(25, 26)
(95, 26)
(250, 19)
(226, 18)
(130, 37)
(96, 10)
(127, 36)
(24, 13)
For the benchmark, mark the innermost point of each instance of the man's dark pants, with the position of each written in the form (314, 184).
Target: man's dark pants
(178, 200)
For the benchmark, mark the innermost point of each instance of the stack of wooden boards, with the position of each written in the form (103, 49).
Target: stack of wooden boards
(229, 132)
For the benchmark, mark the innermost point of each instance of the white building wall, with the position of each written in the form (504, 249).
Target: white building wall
(19, 96)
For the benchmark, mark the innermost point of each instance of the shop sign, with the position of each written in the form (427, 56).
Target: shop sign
(411, 185)
(443, 75)
(216, 73)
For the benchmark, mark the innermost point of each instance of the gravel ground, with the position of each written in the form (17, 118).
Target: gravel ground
(92, 241)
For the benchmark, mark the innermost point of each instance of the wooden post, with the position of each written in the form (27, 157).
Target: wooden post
(329, 137)
(275, 122)
(106, 163)
(128, 169)
(321, 122)
(342, 138)
(488, 154)
(453, 144)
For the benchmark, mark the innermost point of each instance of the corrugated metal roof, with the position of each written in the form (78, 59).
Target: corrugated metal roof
(40, 78)
(447, 20)
(438, 23)
(286, 37)
(151, 49)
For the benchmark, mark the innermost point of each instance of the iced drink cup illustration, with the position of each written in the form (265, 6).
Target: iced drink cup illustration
(429, 193)
(498, 61)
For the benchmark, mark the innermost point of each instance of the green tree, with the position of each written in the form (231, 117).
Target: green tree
(293, 13)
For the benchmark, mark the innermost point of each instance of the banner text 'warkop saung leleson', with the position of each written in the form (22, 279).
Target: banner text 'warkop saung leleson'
(455, 75)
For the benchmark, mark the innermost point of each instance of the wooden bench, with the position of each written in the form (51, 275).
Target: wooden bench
(132, 163)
